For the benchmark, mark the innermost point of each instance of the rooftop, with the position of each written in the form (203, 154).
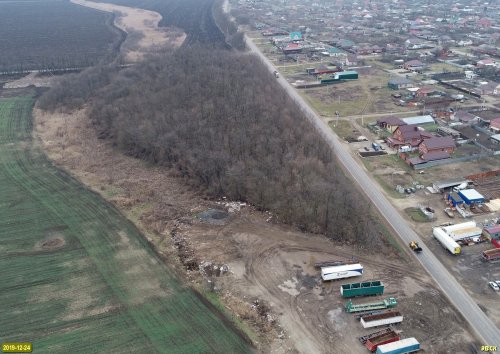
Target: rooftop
(390, 121)
(436, 155)
(398, 80)
(493, 229)
(418, 120)
(439, 142)
(471, 194)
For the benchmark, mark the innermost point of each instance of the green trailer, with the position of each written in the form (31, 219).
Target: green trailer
(339, 77)
(367, 288)
(380, 305)
(347, 75)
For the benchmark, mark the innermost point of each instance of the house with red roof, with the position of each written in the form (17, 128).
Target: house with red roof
(424, 92)
(292, 48)
(484, 23)
(486, 62)
(495, 125)
(411, 135)
(437, 144)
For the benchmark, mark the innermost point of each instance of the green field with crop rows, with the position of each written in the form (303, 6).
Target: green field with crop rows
(76, 276)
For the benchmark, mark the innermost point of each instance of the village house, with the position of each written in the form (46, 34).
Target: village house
(398, 83)
(465, 117)
(435, 144)
(390, 123)
(484, 23)
(495, 125)
(488, 62)
(411, 135)
(424, 92)
(414, 65)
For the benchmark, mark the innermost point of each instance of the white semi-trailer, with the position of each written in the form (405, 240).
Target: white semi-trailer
(463, 225)
(462, 234)
(446, 240)
(341, 272)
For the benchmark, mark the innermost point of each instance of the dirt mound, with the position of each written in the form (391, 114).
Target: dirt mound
(52, 244)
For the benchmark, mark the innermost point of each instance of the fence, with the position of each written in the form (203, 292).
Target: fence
(450, 161)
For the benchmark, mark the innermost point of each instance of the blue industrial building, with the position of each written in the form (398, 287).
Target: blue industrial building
(471, 196)
(455, 199)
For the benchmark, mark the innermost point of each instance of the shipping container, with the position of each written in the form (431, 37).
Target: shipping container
(341, 272)
(446, 241)
(382, 319)
(368, 288)
(407, 345)
(387, 337)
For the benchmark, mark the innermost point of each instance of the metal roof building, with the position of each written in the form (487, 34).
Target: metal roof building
(492, 232)
(455, 199)
(419, 120)
(442, 186)
(471, 196)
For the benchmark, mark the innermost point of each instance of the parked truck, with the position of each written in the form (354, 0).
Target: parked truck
(446, 241)
(407, 345)
(341, 272)
(379, 305)
(492, 255)
(375, 287)
(382, 319)
(384, 338)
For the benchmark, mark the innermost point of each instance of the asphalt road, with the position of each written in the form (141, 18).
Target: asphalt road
(478, 321)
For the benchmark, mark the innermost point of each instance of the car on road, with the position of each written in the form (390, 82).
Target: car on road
(494, 286)
(276, 74)
(498, 283)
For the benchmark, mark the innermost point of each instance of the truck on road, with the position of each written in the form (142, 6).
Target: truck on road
(415, 247)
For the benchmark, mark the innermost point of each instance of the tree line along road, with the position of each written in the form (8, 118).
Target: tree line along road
(477, 319)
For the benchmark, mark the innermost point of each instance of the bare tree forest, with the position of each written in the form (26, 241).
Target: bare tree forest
(221, 122)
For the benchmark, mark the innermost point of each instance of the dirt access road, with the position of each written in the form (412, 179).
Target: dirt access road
(143, 33)
(480, 323)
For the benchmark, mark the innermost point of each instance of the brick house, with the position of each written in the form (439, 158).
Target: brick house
(408, 135)
(434, 144)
